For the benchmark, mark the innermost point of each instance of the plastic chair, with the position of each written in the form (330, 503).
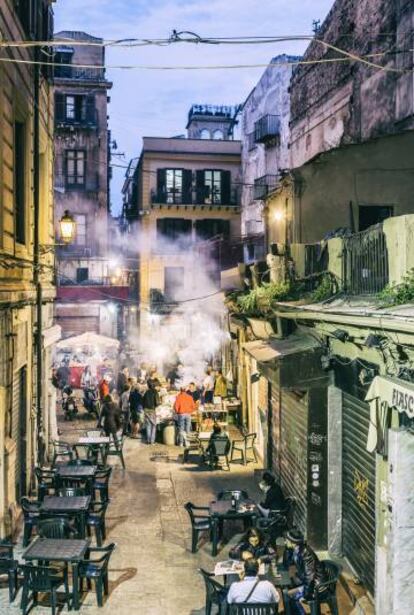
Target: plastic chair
(243, 447)
(9, 566)
(219, 448)
(326, 593)
(96, 520)
(101, 483)
(237, 494)
(116, 449)
(44, 579)
(278, 521)
(31, 514)
(46, 482)
(62, 449)
(253, 608)
(96, 570)
(215, 593)
(54, 527)
(199, 523)
(193, 446)
(70, 492)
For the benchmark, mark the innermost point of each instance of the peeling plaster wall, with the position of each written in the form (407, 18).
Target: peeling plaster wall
(269, 97)
(340, 103)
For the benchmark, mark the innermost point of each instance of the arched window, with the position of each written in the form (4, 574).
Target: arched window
(205, 134)
(218, 135)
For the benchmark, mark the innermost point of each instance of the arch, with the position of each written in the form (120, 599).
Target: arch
(218, 135)
(205, 134)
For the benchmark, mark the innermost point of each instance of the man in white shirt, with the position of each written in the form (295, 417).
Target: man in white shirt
(251, 588)
(208, 387)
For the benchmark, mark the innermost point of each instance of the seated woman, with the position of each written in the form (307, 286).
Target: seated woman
(253, 545)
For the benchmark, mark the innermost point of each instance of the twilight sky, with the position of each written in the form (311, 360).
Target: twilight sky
(155, 103)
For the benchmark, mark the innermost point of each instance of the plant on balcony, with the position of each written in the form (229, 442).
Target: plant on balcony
(398, 294)
(325, 289)
(259, 301)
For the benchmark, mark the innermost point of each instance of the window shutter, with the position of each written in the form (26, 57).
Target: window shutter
(200, 187)
(187, 186)
(59, 107)
(90, 109)
(225, 187)
(161, 185)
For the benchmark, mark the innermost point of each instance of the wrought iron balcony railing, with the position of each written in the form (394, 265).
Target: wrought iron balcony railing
(365, 262)
(267, 128)
(263, 186)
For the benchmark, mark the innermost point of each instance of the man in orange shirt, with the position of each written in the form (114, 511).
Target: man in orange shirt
(184, 407)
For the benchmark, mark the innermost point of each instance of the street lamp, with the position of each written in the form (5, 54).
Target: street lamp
(67, 227)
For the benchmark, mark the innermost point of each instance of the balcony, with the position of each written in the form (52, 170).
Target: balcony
(365, 262)
(88, 118)
(91, 185)
(263, 186)
(79, 74)
(267, 129)
(226, 112)
(161, 197)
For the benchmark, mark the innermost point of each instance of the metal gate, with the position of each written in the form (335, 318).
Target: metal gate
(274, 427)
(76, 325)
(358, 491)
(293, 451)
(19, 430)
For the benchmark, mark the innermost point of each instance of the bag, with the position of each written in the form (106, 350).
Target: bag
(252, 590)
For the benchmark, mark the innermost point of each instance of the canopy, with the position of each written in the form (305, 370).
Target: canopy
(89, 340)
(384, 393)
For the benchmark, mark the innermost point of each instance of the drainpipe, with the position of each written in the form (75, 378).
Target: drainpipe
(37, 272)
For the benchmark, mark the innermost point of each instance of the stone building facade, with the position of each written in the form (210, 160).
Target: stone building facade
(27, 399)
(351, 121)
(87, 274)
(265, 135)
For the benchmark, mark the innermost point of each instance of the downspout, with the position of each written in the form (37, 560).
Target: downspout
(36, 259)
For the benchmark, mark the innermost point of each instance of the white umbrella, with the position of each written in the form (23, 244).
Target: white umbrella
(88, 340)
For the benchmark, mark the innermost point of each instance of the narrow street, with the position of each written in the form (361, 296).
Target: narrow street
(152, 567)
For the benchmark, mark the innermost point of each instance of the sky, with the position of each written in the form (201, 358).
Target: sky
(156, 103)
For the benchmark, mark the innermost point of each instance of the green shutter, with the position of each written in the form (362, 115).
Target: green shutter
(200, 188)
(161, 186)
(187, 187)
(225, 187)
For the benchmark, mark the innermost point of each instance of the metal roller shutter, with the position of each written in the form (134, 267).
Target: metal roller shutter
(274, 442)
(293, 451)
(18, 429)
(76, 325)
(358, 491)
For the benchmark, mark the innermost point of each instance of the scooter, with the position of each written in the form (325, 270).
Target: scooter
(91, 401)
(69, 407)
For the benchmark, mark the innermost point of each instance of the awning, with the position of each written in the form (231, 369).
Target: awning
(384, 393)
(292, 362)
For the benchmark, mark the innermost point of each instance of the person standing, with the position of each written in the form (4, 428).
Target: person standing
(194, 392)
(150, 402)
(220, 385)
(122, 380)
(111, 418)
(104, 387)
(184, 407)
(125, 406)
(208, 387)
(136, 409)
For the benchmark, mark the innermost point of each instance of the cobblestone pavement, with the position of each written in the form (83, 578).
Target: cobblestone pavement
(152, 571)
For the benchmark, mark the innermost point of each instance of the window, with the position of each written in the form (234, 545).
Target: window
(173, 283)
(208, 228)
(82, 274)
(19, 172)
(173, 229)
(80, 238)
(75, 168)
(205, 134)
(70, 108)
(212, 182)
(174, 185)
(373, 214)
(218, 135)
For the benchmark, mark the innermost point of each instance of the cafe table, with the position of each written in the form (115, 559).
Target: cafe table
(76, 506)
(222, 510)
(60, 550)
(68, 474)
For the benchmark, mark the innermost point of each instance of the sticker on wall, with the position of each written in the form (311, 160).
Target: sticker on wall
(361, 484)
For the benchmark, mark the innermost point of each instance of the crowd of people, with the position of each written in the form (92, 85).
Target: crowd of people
(129, 401)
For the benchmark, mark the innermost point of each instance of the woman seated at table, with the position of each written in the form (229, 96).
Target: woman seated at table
(253, 545)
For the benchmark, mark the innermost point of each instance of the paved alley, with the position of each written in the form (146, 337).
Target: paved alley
(152, 571)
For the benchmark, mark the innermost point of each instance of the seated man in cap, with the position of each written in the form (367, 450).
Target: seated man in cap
(250, 588)
(310, 572)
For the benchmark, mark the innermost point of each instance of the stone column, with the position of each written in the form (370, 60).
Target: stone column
(395, 556)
